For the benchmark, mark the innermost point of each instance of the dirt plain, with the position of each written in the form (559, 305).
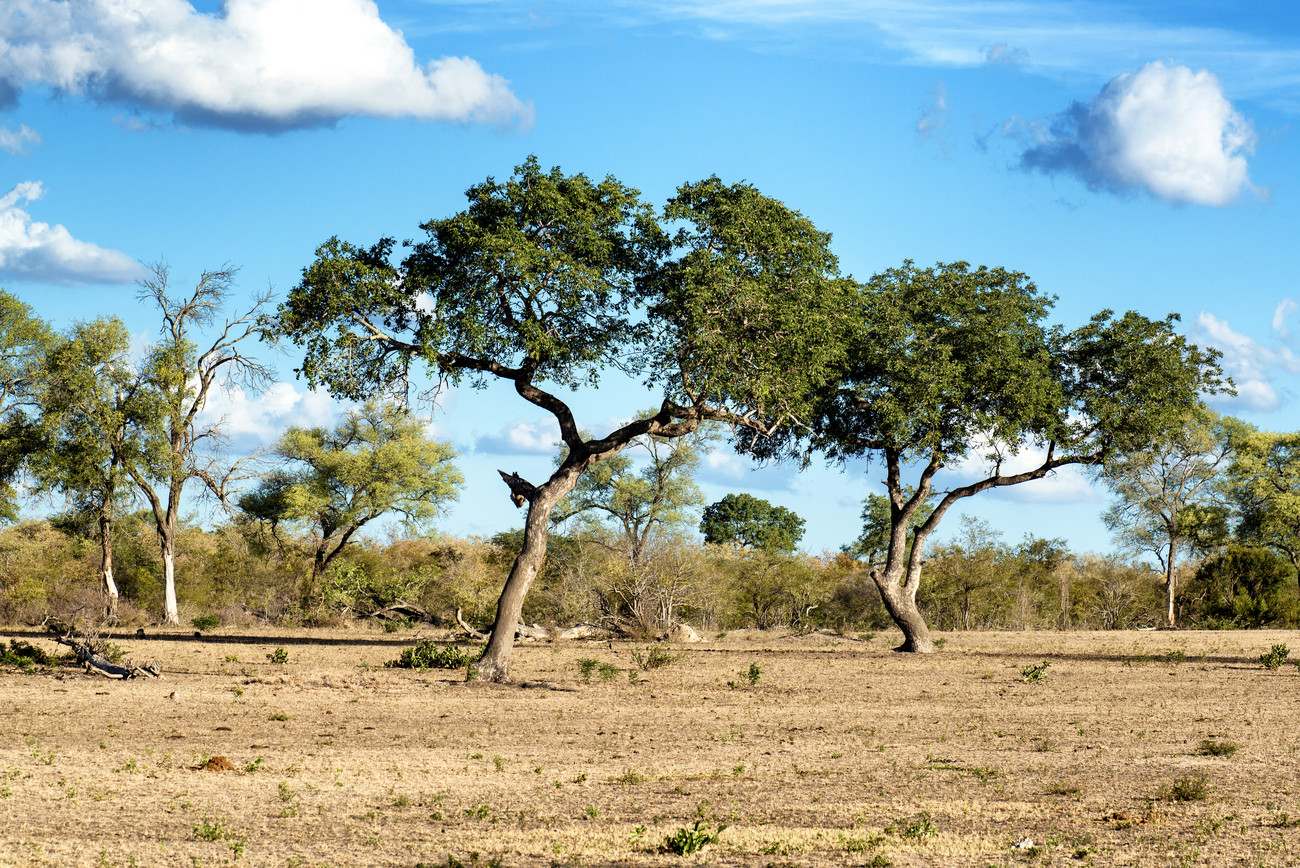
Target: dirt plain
(841, 753)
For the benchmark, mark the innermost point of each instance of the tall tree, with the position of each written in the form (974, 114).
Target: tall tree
(950, 360)
(179, 378)
(91, 412)
(745, 521)
(1166, 495)
(378, 461)
(545, 281)
(24, 340)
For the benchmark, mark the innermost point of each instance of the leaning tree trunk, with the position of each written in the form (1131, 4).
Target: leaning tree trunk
(494, 665)
(900, 602)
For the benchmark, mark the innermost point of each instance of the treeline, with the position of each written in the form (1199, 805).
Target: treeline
(239, 573)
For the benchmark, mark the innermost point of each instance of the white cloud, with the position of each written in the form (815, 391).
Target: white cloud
(1284, 309)
(259, 65)
(1164, 129)
(522, 438)
(1250, 364)
(15, 141)
(41, 253)
(265, 416)
(934, 117)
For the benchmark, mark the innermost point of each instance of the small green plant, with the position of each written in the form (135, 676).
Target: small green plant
(278, 656)
(1210, 747)
(1031, 673)
(279, 715)
(748, 677)
(1275, 656)
(608, 671)
(427, 654)
(251, 766)
(633, 677)
(916, 830)
(940, 642)
(1175, 657)
(586, 666)
(655, 657)
(630, 777)
(206, 622)
(478, 812)
(684, 842)
(286, 794)
(1190, 788)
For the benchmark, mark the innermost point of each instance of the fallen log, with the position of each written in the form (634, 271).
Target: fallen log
(98, 664)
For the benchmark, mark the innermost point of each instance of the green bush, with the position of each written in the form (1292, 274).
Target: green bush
(684, 842)
(1275, 656)
(427, 654)
(206, 622)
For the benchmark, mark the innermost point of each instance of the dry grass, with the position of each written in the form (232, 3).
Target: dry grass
(840, 753)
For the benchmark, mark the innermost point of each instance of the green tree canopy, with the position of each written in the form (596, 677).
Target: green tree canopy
(1264, 486)
(547, 280)
(951, 362)
(378, 461)
(745, 521)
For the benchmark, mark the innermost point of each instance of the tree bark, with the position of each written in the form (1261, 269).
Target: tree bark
(494, 665)
(1169, 583)
(167, 544)
(900, 602)
(106, 565)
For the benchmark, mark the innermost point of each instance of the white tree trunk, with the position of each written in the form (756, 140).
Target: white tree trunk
(171, 614)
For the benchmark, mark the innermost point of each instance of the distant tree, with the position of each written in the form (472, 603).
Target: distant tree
(1264, 485)
(950, 360)
(637, 501)
(178, 379)
(745, 521)
(547, 280)
(91, 413)
(1242, 587)
(378, 461)
(1166, 494)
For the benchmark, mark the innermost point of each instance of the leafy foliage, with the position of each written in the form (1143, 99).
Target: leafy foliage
(427, 654)
(745, 521)
(684, 842)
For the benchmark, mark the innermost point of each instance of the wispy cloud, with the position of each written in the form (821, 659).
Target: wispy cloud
(16, 141)
(1251, 365)
(1165, 130)
(934, 117)
(41, 253)
(262, 65)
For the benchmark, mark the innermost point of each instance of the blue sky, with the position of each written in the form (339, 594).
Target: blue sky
(1125, 155)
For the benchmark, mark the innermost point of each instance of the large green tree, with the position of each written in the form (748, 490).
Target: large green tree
(545, 281)
(92, 409)
(745, 521)
(24, 340)
(379, 460)
(950, 361)
(1167, 496)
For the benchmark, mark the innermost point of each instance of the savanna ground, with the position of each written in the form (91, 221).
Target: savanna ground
(840, 753)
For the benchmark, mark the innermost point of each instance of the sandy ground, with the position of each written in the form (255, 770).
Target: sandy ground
(842, 753)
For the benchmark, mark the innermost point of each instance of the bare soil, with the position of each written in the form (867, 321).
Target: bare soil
(842, 753)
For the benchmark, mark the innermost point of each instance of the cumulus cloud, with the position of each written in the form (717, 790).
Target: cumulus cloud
(1284, 309)
(41, 253)
(1250, 364)
(16, 141)
(1004, 55)
(522, 438)
(264, 416)
(261, 65)
(1165, 130)
(737, 471)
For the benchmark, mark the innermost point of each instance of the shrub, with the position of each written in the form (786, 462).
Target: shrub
(655, 657)
(23, 655)
(427, 654)
(1035, 673)
(279, 655)
(1210, 747)
(206, 622)
(1191, 788)
(1275, 656)
(684, 842)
